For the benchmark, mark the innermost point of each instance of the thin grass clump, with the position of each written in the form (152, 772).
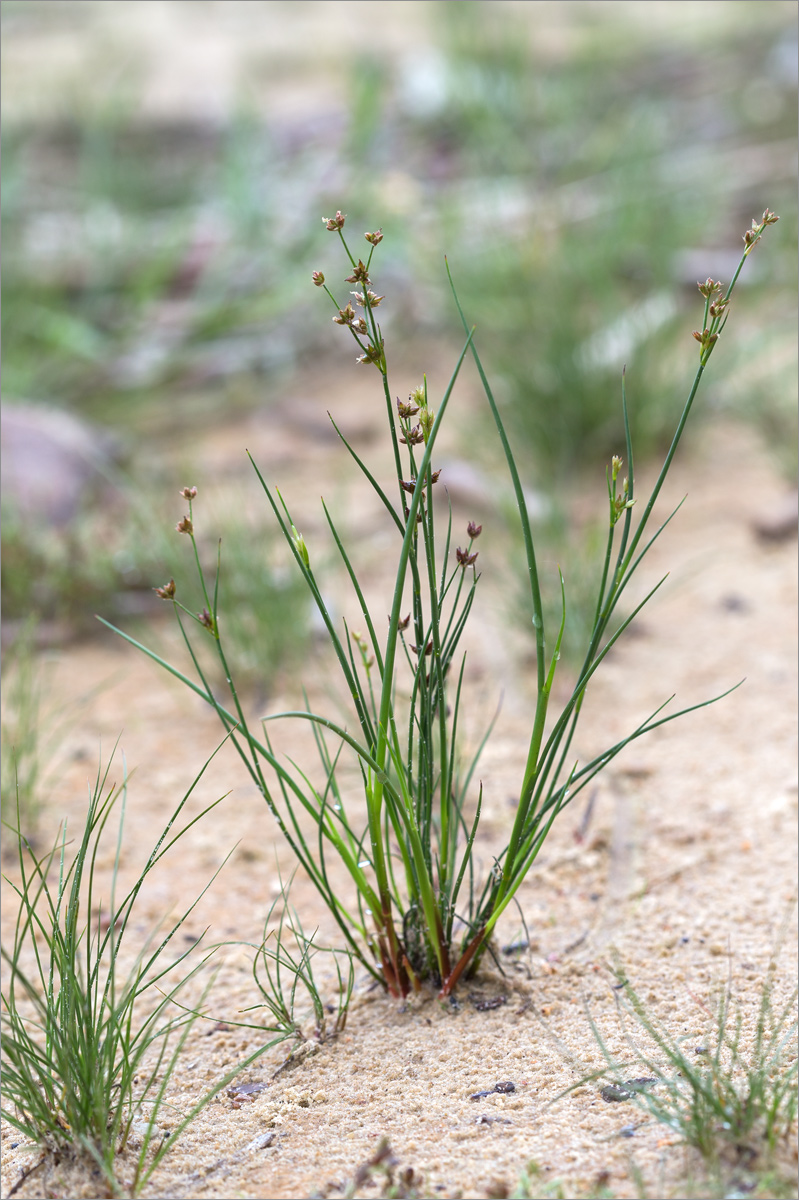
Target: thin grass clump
(731, 1094)
(285, 977)
(419, 909)
(89, 1046)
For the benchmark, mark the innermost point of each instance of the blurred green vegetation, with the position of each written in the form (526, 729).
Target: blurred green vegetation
(108, 560)
(156, 273)
(598, 193)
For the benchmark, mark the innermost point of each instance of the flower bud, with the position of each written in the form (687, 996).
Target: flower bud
(473, 530)
(299, 544)
(167, 592)
(465, 559)
(334, 223)
(318, 278)
(206, 619)
(188, 493)
(375, 238)
(185, 526)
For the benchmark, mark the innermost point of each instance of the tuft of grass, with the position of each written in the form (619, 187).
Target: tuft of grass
(418, 910)
(89, 1048)
(732, 1096)
(284, 975)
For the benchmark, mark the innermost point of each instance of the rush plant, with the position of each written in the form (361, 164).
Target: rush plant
(418, 910)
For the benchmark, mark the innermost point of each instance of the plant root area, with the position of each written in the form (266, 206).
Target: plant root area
(680, 864)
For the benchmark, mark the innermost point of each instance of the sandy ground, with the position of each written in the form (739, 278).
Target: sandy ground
(686, 869)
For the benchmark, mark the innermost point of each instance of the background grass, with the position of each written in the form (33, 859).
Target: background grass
(152, 255)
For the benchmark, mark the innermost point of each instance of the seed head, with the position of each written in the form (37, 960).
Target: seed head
(413, 436)
(206, 619)
(465, 559)
(185, 526)
(621, 504)
(405, 411)
(359, 275)
(318, 278)
(345, 316)
(167, 592)
(370, 298)
(709, 287)
(372, 354)
(473, 530)
(705, 338)
(334, 223)
(615, 466)
(404, 622)
(188, 493)
(752, 236)
(375, 238)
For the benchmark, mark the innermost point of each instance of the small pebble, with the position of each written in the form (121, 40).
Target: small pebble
(503, 1089)
(616, 1092)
